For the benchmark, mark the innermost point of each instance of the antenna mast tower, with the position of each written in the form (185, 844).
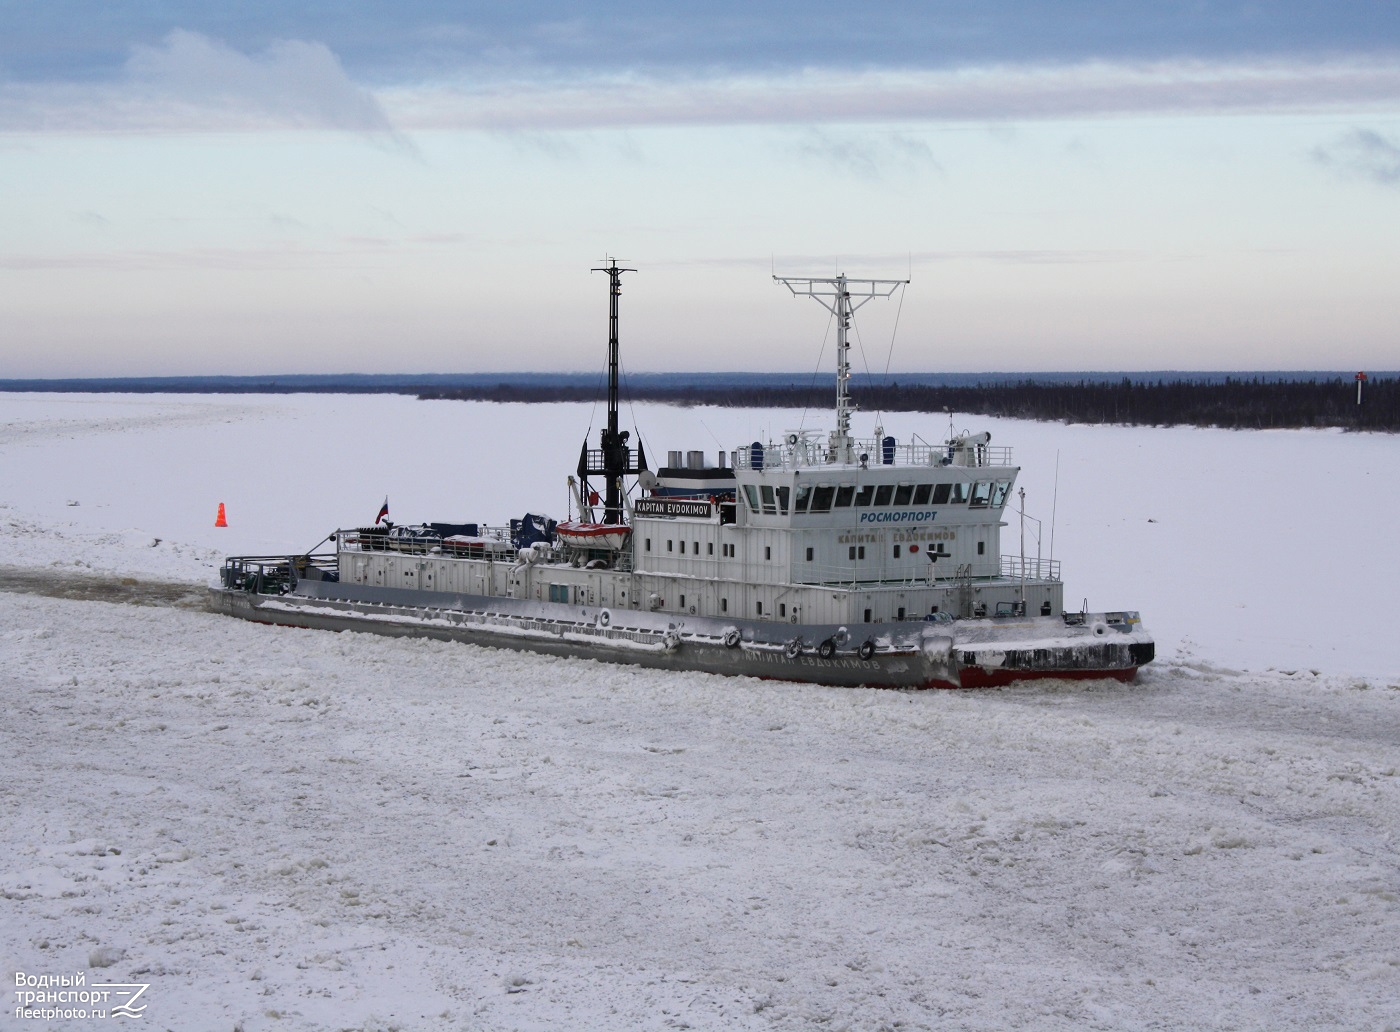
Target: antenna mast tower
(615, 457)
(838, 288)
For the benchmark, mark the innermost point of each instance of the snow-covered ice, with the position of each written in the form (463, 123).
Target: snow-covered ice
(285, 829)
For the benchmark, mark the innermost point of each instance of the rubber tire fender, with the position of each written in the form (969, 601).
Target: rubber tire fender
(827, 649)
(866, 650)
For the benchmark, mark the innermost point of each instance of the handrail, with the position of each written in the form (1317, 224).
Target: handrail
(272, 574)
(488, 541)
(805, 453)
(1015, 567)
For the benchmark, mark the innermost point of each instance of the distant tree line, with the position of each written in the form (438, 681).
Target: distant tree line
(1235, 403)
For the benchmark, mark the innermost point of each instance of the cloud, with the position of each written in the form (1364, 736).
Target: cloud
(1363, 154)
(981, 93)
(344, 252)
(900, 263)
(294, 82)
(866, 156)
(191, 83)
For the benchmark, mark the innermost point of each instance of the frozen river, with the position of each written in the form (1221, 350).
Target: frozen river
(287, 829)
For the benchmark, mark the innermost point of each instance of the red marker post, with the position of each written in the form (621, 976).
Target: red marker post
(1360, 379)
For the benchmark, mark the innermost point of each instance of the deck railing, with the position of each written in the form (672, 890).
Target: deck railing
(274, 574)
(806, 452)
(1014, 567)
(493, 542)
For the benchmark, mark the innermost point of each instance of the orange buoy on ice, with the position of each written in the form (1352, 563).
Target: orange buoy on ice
(220, 521)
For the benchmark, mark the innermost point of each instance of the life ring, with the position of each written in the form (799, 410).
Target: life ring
(866, 650)
(793, 649)
(827, 649)
(604, 618)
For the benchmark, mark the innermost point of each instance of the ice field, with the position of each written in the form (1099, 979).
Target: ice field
(286, 829)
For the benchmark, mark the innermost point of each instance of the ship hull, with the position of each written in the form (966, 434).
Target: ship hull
(957, 654)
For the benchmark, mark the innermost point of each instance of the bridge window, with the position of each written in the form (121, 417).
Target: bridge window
(960, 493)
(981, 494)
(921, 494)
(845, 494)
(751, 493)
(770, 507)
(866, 497)
(904, 494)
(883, 494)
(804, 492)
(940, 493)
(999, 491)
(783, 499)
(821, 498)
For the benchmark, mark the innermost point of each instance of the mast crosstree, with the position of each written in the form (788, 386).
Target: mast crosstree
(842, 304)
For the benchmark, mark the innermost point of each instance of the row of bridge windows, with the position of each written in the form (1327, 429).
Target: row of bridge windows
(773, 500)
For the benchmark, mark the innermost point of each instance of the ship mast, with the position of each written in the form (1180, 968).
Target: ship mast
(841, 448)
(614, 459)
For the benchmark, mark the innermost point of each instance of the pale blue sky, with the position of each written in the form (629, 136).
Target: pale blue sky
(346, 187)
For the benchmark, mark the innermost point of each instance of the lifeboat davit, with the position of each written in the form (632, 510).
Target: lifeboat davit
(609, 536)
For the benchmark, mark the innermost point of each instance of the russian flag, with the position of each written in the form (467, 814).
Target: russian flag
(383, 511)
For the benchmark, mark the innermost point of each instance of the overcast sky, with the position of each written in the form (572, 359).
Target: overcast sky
(423, 187)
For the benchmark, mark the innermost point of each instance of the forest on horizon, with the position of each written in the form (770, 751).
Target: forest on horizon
(1246, 401)
(1235, 403)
